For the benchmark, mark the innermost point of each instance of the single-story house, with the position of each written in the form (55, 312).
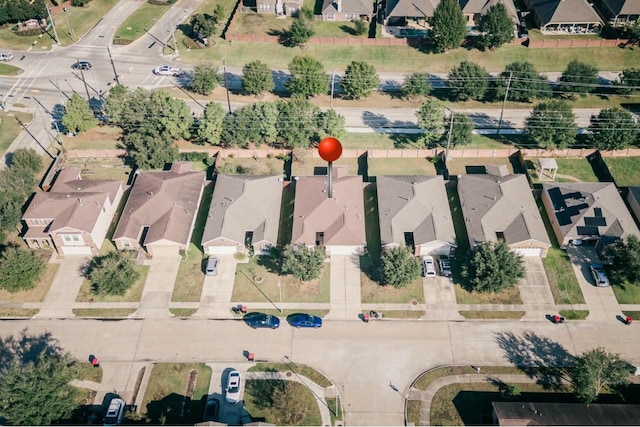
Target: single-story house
(337, 223)
(619, 12)
(498, 206)
(347, 10)
(161, 210)
(279, 7)
(592, 211)
(474, 10)
(565, 16)
(414, 211)
(74, 216)
(400, 12)
(564, 414)
(245, 210)
(633, 198)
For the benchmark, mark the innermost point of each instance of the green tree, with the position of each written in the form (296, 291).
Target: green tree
(625, 260)
(596, 370)
(38, 392)
(448, 25)
(297, 122)
(492, 267)
(359, 81)
(613, 129)
(630, 80)
(578, 78)
(416, 85)
(116, 104)
(462, 130)
(28, 159)
(210, 128)
(257, 78)
(301, 31)
(219, 13)
(290, 408)
(330, 123)
(204, 78)
(112, 274)
(430, 120)
(20, 269)
(399, 267)
(496, 27)
(203, 25)
(302, 262)
(150, 148)
(78, 117)
(308, 77)
(552, 124)
(361, 27)
(525, 84)
(253, 123)
(468, 81)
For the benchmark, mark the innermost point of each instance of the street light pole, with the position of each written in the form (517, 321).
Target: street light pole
(504, 101)
(446, 154)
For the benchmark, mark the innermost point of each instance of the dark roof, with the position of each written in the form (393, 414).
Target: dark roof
(410, 8)
(620, 7)
(565, 414)
(359, 7)
(564, 11)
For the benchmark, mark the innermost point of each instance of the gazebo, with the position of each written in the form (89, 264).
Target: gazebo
(549, 165)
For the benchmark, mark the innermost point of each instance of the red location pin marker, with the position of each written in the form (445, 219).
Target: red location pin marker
(330, 149)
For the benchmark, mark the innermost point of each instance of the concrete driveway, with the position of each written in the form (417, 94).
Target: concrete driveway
(535, 290)
(158, 287)
(215, 300)
(601, 301)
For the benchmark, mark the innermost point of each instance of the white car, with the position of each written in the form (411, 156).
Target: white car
(115, 412)
(166, 70)
(428, 266)
(232, 393)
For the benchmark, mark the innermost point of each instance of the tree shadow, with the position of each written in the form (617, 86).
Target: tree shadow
(538, 357)
(26, 348)
(263, 391)
(271, 262)
(349, 30)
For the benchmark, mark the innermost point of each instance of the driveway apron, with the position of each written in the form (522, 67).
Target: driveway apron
(440, 299)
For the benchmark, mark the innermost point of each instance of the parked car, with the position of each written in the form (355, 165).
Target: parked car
(303, 320)
(212, 266)
(428, 266)
(211, 409)
(81, 65)
(115, 412)
(599, 275)
(232, 393)
(6, 56)
(261, 320)
(166, 70)
(445, 265)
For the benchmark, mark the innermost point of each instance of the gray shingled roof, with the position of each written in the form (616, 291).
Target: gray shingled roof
(341, 218)
(411, 8)
(483, 6)
(493, 204)
(579, 205)
(243, 203)
(358, 7)
(564, 12)
(165, 201)
(72, 202)
(415, 204)
(623, 7)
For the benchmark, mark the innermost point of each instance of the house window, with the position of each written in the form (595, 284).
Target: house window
(351, 16)
(265, 7)
(331, 17)
(500, 236)
(72, 239)
(126, 243)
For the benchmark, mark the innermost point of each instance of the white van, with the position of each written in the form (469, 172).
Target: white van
(6, 56)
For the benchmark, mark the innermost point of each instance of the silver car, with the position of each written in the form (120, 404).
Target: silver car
(599, 275)
(212, 266)
(428, 266)
(232, 393)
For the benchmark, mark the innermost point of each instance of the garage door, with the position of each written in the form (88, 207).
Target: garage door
(528, 251)
(76, 250)
(221, 250)
(164, 250)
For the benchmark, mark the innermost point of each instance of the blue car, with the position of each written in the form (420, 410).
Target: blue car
(303, 320)
(261, 320)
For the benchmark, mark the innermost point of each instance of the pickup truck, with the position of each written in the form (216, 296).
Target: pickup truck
(167, 70)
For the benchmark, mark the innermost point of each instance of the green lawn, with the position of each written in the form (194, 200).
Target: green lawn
(103, 312)
(9, 70)
(164, 398)
(304, 370)
(140, 21)
(97, 138)
(626, 171)
(578, 168)
(257, 393)
(562, 280)
(250, 166)
(483, 314)
(507, 296)
(627, 294)
(292, 290)
(133, 294)
(10, 128)
(400, 166)
(317, 166)
(463, 166)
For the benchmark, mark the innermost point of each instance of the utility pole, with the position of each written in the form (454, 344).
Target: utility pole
(446, 154)
(71, 33)
(173, 34)
(226, 83)
(113, 65)
(33, 136)
(86, 88)
(333, 78)
(53, 24)
(504, 101)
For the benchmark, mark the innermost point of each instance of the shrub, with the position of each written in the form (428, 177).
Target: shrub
(79, 3)
(20, 269)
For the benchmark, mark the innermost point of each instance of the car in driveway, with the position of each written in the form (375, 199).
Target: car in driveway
(445, 265)
(115, 412)
(81, 65)
(261, 320)
(166, 70)
(212, 266)
(304, 320)
(232, 392)
(428, 266)
(211, 409)
(599, 275)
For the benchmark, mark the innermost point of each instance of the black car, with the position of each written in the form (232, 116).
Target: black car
(261, 320)
(81, 65)
(211, 410)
